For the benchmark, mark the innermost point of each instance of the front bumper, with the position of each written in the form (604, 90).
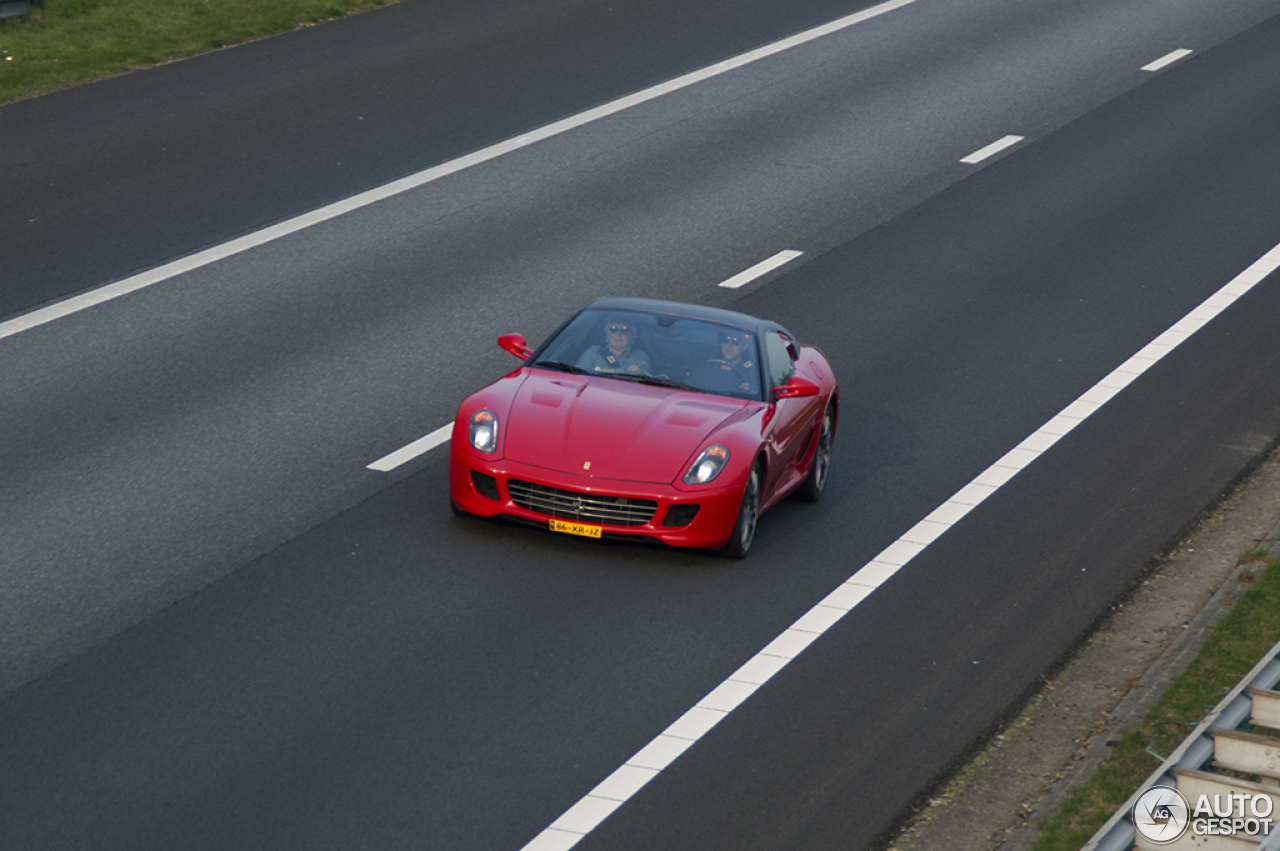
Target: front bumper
(490, 488)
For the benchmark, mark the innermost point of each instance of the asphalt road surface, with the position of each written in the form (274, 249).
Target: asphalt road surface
(222, 629)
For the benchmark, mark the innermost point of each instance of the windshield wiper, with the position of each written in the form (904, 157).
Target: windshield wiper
(562, 367)
(656, 380)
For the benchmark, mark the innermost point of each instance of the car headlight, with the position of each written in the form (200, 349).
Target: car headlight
(483, 432)
(709, 464)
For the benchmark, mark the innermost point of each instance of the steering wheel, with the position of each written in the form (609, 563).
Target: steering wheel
(711, 376)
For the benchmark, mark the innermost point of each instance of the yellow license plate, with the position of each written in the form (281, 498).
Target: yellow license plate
(576, 529)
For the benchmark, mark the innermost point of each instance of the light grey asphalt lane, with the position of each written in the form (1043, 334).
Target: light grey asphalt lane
(118, 175)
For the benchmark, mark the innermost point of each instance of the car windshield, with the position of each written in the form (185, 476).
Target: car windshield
(656, 348)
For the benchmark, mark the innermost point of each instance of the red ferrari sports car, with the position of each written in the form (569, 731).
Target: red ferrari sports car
(649, 418)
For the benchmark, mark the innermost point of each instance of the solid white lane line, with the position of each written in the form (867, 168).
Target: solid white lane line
(764, 267)
(1166, 60)
(582, 818)
(421, 446)
(109, 292)
(991, 150)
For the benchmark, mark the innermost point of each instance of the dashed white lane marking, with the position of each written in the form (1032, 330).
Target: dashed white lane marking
(405, 454)
(764, 267)
(617, 788)
(113, 291)
(1166, 60)
(991, 150)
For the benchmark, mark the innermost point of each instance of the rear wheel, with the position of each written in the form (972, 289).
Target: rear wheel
(814, 483)
(744, 526)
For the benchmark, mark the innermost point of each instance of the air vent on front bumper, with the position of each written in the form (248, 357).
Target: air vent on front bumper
(591, 507)
(485, 484)
(681, 515)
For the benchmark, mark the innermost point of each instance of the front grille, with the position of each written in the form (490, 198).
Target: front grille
(573, 505)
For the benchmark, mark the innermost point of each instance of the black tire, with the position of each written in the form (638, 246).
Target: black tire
(815, 483)
(457, 509)
(744, 525)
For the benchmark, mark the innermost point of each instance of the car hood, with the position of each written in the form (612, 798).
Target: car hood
(610, 428)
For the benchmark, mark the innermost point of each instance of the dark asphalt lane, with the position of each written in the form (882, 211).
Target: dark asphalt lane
(371, 686)
(830, 752)
(398, 678)
(1163, 203)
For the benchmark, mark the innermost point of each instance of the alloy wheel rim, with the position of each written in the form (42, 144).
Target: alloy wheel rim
(751, 509)
(822, 457)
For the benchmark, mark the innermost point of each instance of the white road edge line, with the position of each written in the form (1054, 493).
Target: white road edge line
(617, 788)
(200, 259)
(764, 267)
(405, 454)
(991, 150)
(1166, 60)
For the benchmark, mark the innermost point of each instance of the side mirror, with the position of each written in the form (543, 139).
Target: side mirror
(516, 345)
(795, 388)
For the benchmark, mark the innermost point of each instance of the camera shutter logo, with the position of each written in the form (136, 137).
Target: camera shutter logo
(1161, 814)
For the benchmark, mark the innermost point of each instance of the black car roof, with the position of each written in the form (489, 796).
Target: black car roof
(678, 308)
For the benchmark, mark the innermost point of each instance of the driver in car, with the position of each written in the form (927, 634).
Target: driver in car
(735, 350)
(619, 353)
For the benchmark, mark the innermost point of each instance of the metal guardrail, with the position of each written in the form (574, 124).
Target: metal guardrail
(13, 8)
(1195, 753)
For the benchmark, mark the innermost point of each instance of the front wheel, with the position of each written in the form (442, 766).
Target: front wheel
(744, 526)
(814, 483)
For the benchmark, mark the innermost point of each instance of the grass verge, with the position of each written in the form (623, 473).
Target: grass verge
(1249, 631)
(68, 42)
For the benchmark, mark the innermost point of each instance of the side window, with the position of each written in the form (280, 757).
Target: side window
(780, 364)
